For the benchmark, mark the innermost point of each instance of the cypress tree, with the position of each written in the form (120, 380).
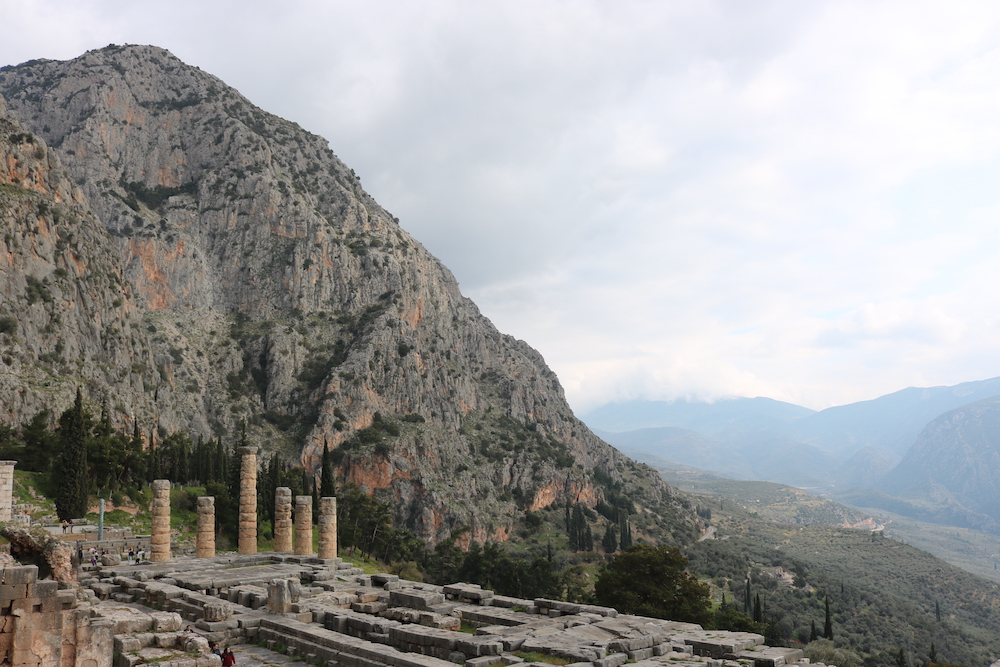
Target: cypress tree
(901, 659)
(625, 539)
(756, 608)
(828, 624)
(937, 611)
(610, 542)
(71, 473)
(746, 598)
(328, 481)
(812, 631)
(932, 656)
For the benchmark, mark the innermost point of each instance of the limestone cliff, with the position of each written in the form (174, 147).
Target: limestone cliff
(272, 290)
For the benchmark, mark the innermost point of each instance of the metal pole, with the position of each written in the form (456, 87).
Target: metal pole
(100, 523)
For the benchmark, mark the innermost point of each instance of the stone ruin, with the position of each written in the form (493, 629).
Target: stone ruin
(314, 605)
(333, 614)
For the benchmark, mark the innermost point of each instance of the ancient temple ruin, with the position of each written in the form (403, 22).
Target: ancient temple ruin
(171, 609)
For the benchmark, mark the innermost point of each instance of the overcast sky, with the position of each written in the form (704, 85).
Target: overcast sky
(668, 199)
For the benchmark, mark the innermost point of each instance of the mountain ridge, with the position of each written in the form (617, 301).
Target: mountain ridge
(272, 293)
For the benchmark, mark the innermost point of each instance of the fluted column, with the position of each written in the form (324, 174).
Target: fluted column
(205, 539)
(248, 501)
(160, 538)
(327, 527)
(303, 525)
(283, 519)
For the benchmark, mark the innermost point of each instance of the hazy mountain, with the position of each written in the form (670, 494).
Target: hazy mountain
(955, 461)
(680, 445)
(848, 446)
(220, 266)
(730, 415)
(889, 423)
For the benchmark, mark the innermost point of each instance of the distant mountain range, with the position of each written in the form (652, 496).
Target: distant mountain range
(932, 453)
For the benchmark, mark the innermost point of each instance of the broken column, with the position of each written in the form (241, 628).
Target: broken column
(327, 527)
(160, 538)
(279, 599)
(205, 539)
(303, 525)
(7, 490)
(248, 501)
(283, 519)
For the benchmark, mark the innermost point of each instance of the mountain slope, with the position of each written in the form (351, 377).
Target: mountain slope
(66, 313)
(955, 460)
(276, 293)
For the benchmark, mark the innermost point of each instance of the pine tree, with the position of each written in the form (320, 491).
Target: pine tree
(71, 472)
(828, 623)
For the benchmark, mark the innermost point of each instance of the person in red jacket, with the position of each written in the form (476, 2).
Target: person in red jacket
(228, 659)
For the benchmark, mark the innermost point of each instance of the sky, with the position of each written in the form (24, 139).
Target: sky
(669, 199)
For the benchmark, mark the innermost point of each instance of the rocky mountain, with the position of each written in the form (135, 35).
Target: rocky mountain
(219, 266)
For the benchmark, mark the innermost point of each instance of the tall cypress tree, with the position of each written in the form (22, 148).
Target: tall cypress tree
(828, 623)
(812, 631)
(71, 473)
(746, 598)
(625, 539)
(610, 541)
(328, 482)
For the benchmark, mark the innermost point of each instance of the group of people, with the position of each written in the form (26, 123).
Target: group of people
(228, 658)
(134, 555)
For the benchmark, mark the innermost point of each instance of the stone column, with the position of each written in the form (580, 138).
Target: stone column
(303, 525)
(7, 490)
(327, 527)
(205, 539)
(248, 501)
(160, 539)
(283, 519)
(279, 598)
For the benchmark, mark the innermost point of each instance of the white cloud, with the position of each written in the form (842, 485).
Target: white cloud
(667, 199)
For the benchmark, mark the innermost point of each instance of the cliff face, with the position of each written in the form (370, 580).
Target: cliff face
(67, 315)
(257, 283)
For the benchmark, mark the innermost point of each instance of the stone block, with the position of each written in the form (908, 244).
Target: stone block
(43, 589)
(166, 621)
(22, 574)
(13, 591)
(612, 660)
(217, 611)
(415, 599)
(640, 654)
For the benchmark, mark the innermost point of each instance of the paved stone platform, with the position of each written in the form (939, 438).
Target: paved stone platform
(272, 607)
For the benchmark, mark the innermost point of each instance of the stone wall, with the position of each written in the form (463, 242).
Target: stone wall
(41, 626)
